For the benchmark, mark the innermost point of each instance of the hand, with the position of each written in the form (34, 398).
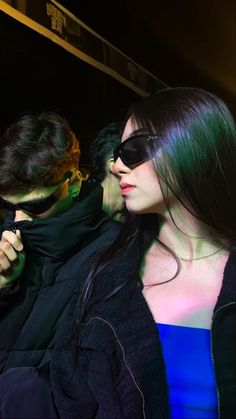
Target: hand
(12, 257)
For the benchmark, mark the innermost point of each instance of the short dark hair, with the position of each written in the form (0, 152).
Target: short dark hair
(36, 150)
(102, 148)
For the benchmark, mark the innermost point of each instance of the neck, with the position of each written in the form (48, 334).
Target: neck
(186, 235)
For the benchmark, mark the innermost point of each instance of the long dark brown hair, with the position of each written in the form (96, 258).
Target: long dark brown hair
(194, 155)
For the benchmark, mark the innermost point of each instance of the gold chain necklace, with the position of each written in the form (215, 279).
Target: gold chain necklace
(200, 257)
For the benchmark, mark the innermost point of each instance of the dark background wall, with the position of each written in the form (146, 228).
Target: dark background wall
(182, 42)
(36, 75)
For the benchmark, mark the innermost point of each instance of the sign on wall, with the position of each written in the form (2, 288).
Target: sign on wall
(53, 21)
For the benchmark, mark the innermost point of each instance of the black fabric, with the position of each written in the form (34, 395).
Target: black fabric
(61, 236)
(118, 353)
(114, 367)
(15, 385)
(111, 369)
(224, 342)
(57, 251)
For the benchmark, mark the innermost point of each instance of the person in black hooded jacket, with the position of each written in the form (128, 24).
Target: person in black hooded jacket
(55, 224)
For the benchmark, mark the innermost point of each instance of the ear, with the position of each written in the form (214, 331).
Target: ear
(75, 183)
(109, 165)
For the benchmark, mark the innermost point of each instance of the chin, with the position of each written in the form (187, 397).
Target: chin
(133, 210)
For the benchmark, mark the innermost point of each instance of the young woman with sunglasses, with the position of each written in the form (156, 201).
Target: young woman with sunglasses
(155, 326)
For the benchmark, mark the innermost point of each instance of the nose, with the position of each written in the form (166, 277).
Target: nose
(119, 168)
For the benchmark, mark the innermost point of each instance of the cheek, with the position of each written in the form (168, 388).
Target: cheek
(149, 180)
(57, 208)
(43, 214)
(157, 190)
(147, 198)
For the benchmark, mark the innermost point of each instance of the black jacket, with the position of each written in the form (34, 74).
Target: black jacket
(57, 249)
(120, 370)
(113, 368)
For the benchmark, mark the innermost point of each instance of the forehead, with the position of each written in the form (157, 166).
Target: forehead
(129, 129)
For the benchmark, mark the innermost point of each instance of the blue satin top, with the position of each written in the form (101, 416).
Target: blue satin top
(190, 372)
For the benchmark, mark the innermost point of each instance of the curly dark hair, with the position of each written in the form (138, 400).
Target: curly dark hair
(36, 150)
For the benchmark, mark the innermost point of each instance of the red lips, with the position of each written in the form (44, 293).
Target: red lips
(126, 187)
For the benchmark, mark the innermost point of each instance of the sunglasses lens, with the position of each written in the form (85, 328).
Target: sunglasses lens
(132, 151)
(7, 205)
(36, 207)
(39, 207)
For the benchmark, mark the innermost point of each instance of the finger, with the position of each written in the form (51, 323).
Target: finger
(13, 238)
(4, 262)
(8, 250)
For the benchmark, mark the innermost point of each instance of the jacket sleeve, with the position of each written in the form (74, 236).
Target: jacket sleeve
(25, 393)
(109, 377)
(8, 295)
(114, 387)
(70, 384)
(89, 375)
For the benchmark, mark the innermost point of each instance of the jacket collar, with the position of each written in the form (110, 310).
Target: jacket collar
(228, 289)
